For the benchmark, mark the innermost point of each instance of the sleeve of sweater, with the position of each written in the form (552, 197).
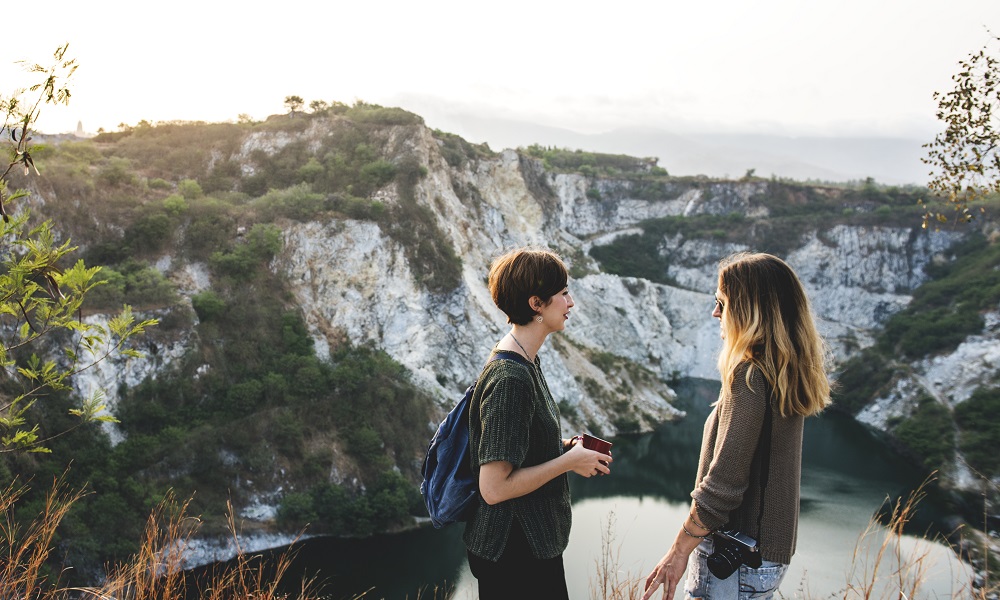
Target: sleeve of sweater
(740, 416)
(506, 412)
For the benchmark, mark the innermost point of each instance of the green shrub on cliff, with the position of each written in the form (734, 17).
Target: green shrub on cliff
(979, 430)
(928, 434)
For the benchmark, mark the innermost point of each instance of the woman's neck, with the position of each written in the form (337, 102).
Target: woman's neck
(526, 339)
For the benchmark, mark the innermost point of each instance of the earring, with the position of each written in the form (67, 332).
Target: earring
(539, 318)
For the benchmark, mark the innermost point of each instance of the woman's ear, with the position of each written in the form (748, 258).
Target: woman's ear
(536, 304)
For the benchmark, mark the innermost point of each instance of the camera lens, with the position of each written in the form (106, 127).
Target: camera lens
(724, 561)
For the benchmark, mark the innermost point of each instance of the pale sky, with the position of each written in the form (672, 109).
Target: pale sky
(792, 67)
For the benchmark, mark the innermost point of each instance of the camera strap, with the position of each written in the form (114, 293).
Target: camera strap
(764, 446)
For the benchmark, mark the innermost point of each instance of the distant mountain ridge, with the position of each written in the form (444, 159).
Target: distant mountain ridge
(889, 160)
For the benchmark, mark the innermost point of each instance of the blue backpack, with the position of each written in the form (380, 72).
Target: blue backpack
(449, 488)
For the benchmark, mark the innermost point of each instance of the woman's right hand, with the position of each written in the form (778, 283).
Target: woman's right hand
(587, 463)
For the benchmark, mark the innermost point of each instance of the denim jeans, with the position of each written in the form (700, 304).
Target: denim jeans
(743, 584)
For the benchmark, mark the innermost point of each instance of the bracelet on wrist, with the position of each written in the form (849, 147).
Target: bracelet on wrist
(694, 520)
(700, 537)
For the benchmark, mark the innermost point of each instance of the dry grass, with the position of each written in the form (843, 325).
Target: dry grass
(881, 568)
(610, 581)
(25, 548)
(156, 572)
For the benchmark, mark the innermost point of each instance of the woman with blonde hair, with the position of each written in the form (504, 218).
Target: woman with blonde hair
(740, 532)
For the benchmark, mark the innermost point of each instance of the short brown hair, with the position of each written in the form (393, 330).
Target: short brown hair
(519, 274)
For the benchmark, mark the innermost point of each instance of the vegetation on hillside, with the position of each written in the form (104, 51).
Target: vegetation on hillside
(944, 311)
(788, 211)
(594, 164)
(249, 399)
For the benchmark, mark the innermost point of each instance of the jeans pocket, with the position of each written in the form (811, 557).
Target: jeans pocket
(761, 583)
(697, 583)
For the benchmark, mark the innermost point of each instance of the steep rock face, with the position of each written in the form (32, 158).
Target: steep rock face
(160, 352)
(668, 330)
(870, 269)
(368, 294)
(617, 203)
(949, 379)
(106, 375)
(353, 281)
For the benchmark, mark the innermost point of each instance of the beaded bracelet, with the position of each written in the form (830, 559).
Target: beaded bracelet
(694, 520)
(700, 537)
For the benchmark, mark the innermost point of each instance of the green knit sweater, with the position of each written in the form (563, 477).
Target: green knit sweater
(513, 418)
(727, 489)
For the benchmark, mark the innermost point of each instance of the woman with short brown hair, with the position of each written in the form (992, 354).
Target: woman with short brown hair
(521, 527)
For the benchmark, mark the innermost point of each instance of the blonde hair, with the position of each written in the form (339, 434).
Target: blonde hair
(767, 322)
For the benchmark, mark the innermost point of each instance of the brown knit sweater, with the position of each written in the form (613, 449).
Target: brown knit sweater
(513, 418)
(727, 489)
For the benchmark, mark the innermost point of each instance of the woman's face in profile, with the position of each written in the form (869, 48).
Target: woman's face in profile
(719, 312)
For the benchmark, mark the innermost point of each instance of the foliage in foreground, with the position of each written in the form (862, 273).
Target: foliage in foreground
(156, 571)
(44, 340)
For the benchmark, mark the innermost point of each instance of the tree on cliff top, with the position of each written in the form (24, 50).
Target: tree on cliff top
(965, 157)
(294, 103)
(38, 298)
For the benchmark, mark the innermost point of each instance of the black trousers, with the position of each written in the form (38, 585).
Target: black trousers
(518, 574)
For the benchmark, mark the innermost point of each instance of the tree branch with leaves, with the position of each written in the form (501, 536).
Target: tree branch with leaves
(965, 157)
(44, 340)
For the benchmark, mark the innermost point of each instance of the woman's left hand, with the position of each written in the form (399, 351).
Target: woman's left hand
(587, 463)
(668, 573)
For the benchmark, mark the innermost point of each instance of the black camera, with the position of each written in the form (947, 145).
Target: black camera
(732, 549)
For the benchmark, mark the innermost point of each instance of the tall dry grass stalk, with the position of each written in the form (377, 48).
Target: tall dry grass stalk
(156, 572)
(879, 566)
(610, 581)
(881, 569)
(24, 549)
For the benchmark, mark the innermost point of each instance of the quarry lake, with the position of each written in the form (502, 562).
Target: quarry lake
(847, 476)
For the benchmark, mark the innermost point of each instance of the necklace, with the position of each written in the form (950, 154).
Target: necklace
(526, 355)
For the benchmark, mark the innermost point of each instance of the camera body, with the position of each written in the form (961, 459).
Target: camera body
(732, 549)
